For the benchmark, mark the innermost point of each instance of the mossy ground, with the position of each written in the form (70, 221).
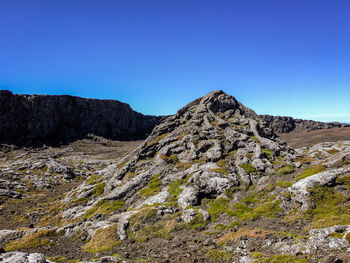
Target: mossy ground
(310, 171)
(37, 239)
(104, 239)
(104, 207)
(152, 187)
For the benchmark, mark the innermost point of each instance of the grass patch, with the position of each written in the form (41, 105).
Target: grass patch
(103, 240)
(248, 168)
(183, 165)
(284, 184)
(160, 230)
(219, 255)
(286, 169)
(310, 171)
(221, 170)
(225, 227)
(104, 207)
(305, 159)
(330, 208)
(36, 239)
(197, 222)
(214, 123)
(267, 152)
(218, 206)
(93, 179)
(157, 140)
(281, 259)
(99, 189)
(256, 205)
(333, 151)
(233, 236)
(254, 139)
(57, 259)
(174, 189)
(172, 159)
(152, 187)
(79, 201)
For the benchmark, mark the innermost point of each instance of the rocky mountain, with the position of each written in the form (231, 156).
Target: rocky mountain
(211, 183)
(283, 124)
(43, 119)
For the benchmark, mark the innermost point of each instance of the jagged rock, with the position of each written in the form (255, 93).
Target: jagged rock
(188, 215)
(300, 192)
(20, 257)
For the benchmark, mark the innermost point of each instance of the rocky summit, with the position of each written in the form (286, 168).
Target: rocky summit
(212, 183)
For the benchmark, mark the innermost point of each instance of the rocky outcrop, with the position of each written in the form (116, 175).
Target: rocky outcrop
(44, 119)
(283, 124)
(210, 146)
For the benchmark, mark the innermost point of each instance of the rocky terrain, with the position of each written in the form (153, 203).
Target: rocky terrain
(212, 183)
(43, 119)
(284, 124)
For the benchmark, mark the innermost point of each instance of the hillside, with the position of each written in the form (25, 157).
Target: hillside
(211, 183)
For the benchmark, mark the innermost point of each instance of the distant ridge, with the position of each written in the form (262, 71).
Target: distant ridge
(285, 124)
(29, 120)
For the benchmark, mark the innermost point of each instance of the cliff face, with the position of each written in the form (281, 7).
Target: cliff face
(38, 119)
(282, 124)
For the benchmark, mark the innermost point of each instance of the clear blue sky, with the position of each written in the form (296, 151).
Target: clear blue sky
(277, 57)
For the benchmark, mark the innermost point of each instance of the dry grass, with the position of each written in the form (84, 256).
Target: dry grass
(233, 236)
(103, 240)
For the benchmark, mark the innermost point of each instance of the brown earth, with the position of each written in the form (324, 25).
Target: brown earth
(306, 139)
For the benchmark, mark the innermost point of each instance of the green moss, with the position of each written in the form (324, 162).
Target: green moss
(99, 189)
(174, 189)
(221, 163)
(104, 207)
(219, 255)
(221, 170)
(159, 230)
(347, 237)
(346, 162)
(229, 193)
(214, 122)
(264, 207)
(172, 159)
(199, 161)
(337, 235)
(103, 240)
(330, 208)
(225, 227)
(267, 152)
(333, 151)
(36, 239)
(197, 222)
(257, 255)
(286, 169)
(157, 140)
(152, 187)
(93, 179)
(310, 171)
(57, 259)
(183, 165)
(345, 180)
(248, 168)
(254, 139)
(217, 206)
(80, 201)
(284, 184)
(281, 259)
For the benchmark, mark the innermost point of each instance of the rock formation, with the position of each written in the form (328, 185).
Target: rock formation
(43, 119)
(283, 124)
